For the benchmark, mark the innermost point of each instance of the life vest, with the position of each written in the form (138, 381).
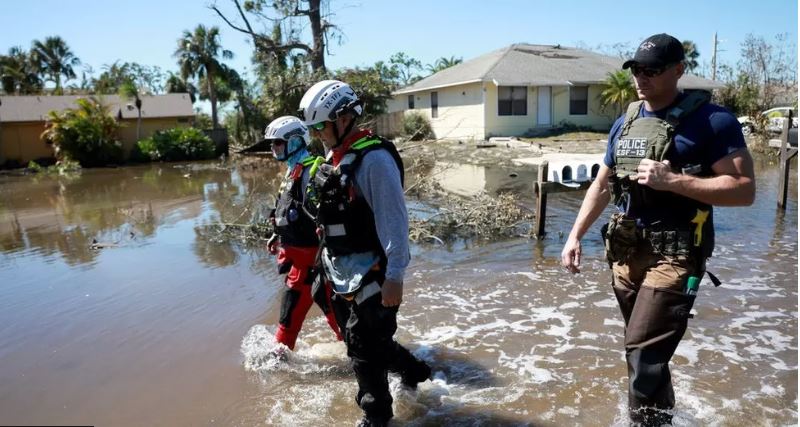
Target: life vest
(292, 224)
(344, 217)
(683, 231)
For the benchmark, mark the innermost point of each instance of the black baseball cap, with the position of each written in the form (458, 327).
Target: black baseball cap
(657, 51)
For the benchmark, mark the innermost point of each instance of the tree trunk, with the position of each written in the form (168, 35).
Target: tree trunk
(318, 50)
(139, 119)
(212, 96)
(139, 126)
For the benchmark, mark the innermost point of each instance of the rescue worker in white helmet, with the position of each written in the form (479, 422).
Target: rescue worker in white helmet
(362, 216)
(670, 157)
(295, 241)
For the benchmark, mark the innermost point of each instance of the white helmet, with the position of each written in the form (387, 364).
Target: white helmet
(285, 128)
(291, 130)
(327, 100)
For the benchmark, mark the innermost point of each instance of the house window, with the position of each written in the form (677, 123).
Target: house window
(410, 102)
(512, 101)
(434, 104)
(578, 100)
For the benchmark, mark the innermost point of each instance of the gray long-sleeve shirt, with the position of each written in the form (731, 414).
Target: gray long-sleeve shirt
(377, 179)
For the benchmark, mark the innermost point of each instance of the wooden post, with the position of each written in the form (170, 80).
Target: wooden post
(541, 200)
(786, 157)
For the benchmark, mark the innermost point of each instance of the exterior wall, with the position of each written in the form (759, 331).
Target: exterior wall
(595, 118)
(464, 113)
(127, 131)
(460, 110)
(497, 125)
(21, 142)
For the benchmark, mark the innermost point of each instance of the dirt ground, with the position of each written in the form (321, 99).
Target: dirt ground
(499, 151)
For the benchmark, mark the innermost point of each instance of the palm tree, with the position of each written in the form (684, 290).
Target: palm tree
(443, 63)
(112, 78)
(128, 90)
(54, 59)
(198, 56)
(618, 91)
(690, 50)
(176, 84)
(18, 74)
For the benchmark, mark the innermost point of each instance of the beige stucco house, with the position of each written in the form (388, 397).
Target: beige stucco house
(22, 121)
(518, 90)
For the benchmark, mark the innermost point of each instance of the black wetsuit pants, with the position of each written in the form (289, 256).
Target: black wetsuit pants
(368, 330)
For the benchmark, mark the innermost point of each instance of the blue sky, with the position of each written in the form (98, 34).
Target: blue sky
(145, 31)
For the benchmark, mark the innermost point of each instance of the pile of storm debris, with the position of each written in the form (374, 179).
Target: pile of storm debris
(439, 216)
(435, 215)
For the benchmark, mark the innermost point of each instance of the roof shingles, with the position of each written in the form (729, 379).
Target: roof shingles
(35, 108)
(537, 65)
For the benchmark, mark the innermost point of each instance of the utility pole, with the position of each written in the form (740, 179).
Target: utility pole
(714, 57)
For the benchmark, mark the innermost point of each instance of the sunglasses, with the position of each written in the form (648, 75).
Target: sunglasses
(278, 142)
(319, 127)
(649, 71)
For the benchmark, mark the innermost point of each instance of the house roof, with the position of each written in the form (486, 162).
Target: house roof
(35, 108)
(524, 64)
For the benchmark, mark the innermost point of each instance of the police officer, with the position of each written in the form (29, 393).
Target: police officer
(295, 240)
(364, 227)
(670, 157)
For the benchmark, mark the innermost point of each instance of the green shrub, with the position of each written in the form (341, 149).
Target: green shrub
(416, 127)
(62, 167)
(86, 134)
(181, 143)
(35, 167)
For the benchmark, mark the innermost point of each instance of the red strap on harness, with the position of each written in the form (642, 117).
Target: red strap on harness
(339, 151)
(297, 172)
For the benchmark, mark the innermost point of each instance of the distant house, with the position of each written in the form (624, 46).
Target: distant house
(518, 90)
(22, 121)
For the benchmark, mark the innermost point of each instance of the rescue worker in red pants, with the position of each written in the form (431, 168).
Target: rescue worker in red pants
(362, 216)
(295, 240)
(670, 158)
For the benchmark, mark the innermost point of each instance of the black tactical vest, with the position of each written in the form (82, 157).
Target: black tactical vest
(292, 224)
(345, 217)
(653, 138)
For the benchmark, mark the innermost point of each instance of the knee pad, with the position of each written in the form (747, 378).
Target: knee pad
(290, 299)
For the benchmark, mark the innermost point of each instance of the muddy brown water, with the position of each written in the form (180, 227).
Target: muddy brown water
(161, 323)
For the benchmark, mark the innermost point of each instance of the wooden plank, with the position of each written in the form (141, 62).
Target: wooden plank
(783, 184)
(541, 199)
(557, 187)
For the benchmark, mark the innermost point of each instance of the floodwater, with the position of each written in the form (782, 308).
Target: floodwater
(159, 322)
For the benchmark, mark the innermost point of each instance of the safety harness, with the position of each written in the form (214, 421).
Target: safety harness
(294, 226)
(345, 222)
(345, 219)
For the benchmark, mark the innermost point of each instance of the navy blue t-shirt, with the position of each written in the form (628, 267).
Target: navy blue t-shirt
(702, 138)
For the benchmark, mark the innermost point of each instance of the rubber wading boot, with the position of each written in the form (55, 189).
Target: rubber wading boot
(419, 374)
(369, 405)
(372, 422)
(657, 324)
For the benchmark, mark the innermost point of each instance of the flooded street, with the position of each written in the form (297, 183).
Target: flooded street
(119, 307)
